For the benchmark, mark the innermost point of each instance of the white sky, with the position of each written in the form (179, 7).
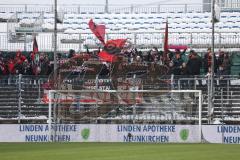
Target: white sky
(98, 1)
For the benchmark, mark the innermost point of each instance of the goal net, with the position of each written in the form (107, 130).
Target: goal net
(178, 107)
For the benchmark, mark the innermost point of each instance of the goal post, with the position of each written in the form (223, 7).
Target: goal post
(125, 107)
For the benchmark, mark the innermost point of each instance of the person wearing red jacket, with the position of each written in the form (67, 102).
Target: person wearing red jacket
(18, 62)
(19, 58)
(11, 67)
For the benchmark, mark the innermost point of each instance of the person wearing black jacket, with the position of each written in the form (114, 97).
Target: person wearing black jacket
(194, 65)
(224, 68)
(177, 64)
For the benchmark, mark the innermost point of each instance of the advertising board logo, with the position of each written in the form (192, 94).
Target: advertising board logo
(85, 133)
(184, 133)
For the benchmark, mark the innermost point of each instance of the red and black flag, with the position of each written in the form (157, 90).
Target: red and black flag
(111, 49)
(35, 48)
(35, 45)
(98, 30)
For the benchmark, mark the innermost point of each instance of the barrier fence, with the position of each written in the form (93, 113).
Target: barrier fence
(147, 40)
(23, 99)
(226, 5)
(100, 8)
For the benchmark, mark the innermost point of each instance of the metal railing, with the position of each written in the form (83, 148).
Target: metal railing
(227, 5)
(29, 106)
(139, 40)
(21, 99)
(100, 8)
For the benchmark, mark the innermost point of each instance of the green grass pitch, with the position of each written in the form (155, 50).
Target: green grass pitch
(117, 151)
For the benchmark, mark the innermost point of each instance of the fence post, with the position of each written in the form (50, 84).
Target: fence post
(134, 99)
(209, 100)
(25, 41)
(49, 121)
(39, 90)
(222, 104)
(96, 82)
(159, 8)
(220, 41)
(191, 40)
(26, 8)
(80, 44)
(228, 90)
(132, 8)
(179, 84)
(19, 98)
(171, 100)
(185, 8)
(53, 8)
(135, 39)
(195, 82)
(163, 41)
(79, 9)
(52, 41)
(195, 88)
(172, 82)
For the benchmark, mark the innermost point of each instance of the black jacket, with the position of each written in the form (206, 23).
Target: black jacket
(194, 66)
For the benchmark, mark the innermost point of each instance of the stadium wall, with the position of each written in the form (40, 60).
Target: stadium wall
(120, 133)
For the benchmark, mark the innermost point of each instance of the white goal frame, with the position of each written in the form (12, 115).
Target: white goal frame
(51, 92)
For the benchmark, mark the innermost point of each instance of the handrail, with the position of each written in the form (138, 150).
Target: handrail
(184, 7)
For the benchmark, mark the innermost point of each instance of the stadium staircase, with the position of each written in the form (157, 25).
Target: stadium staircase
(32, 109)
(226, 102)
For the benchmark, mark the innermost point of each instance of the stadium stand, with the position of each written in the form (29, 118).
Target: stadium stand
(189, 28)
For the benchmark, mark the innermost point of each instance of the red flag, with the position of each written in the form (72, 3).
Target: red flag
(178, 47)
(107, 57)
(116, 42)
(98, 30)
(35, 49)
(114, 46)
(166, 39)
(165, 43)
(111, 48)
(35, 45)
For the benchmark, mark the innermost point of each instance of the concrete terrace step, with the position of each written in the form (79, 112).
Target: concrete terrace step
(226, 100)
(15, 96)
(8, 91)
(24, 100)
